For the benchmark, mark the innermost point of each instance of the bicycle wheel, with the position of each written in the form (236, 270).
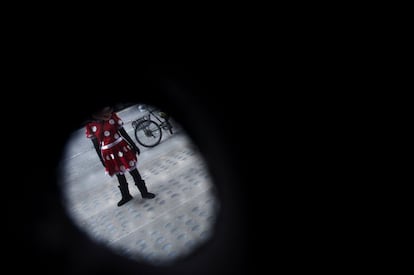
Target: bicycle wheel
(148, 133)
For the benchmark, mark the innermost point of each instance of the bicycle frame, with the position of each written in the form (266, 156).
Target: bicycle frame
(164, 123)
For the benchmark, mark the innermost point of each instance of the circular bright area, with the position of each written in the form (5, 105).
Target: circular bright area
(178, 220)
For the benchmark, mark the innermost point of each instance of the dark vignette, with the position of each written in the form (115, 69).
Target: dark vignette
(196, 97)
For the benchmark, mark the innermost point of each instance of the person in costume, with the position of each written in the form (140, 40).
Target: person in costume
(116, 150)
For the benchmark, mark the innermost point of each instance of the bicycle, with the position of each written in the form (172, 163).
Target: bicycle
(148, 132)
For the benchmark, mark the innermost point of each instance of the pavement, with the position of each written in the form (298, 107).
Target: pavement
(158, 231)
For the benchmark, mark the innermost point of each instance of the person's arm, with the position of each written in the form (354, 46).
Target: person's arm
(125, 135)
(98, 149)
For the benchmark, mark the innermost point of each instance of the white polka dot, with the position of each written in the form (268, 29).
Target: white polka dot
(131, 163)
(107, 133)
(120, 122)
(120, 154)
(93, 128)
(116, 136)
(111, 121)
(129, 147)
(112, 156)
(107, 157)
(125, 149)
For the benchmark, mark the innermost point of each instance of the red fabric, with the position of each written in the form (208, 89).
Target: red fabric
(120, 157)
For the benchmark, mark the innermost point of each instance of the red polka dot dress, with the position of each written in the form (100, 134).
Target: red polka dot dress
(118, 155)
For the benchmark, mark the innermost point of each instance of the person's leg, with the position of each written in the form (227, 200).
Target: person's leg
(140, 183)
(123, 187)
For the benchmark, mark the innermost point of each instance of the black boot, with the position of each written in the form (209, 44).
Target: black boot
(143, 189)
(123, 187)
(140, 183)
